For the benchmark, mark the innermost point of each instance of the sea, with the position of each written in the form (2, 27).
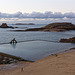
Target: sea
(34, 45)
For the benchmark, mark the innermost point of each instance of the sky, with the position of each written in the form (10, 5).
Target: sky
(37, 8)
(28, 6)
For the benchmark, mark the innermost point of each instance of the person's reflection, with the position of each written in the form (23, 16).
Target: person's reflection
(13, 45)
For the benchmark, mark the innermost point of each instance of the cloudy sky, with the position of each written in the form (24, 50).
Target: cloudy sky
(37, 8)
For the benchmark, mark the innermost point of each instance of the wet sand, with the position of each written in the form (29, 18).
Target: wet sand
(55, 64)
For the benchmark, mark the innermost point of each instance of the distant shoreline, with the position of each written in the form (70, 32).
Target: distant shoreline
(23, 24)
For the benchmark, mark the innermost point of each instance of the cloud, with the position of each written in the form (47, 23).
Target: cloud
(70, 15)
(47, 14)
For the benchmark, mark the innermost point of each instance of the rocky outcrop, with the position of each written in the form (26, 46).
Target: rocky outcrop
(55, 27)
(70, 40)
(7, 59)
(35, 29)
(4, 25)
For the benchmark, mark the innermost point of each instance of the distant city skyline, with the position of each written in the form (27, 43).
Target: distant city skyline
(29, 6)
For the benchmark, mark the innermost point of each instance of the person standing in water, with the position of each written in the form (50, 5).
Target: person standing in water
(13, 41)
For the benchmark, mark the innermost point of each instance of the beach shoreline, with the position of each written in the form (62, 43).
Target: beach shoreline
(62, 63)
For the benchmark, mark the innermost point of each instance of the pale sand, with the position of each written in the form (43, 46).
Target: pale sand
(60, 64)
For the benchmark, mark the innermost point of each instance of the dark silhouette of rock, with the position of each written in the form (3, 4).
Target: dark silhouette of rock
(70, 40)
(24, 24)
(35, 29)
(55, 27)
(4, 25)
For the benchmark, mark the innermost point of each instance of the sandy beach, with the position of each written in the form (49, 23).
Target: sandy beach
(57, 64)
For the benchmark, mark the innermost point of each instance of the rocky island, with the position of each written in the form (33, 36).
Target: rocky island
(55, 27)
(24, 24)
(4, 25)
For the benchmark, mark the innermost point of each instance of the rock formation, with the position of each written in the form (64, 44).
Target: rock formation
(70, 40)
(7, 59)
(4, 25)
(55, 27)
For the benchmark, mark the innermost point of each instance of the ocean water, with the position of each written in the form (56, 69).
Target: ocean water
(34, 45)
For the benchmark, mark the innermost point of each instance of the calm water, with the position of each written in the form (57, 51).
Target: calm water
(35, 45)
(34, 50)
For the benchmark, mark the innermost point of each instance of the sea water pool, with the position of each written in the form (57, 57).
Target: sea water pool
(34, 50)
(33, 45)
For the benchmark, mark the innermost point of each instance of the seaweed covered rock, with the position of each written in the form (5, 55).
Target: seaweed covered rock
(70, 40)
